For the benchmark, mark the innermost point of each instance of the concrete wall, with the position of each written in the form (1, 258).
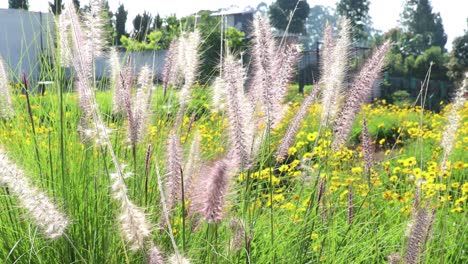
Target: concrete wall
(23, 37)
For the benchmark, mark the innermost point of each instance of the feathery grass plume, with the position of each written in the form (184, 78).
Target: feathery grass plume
(214, 189)
(174, 173)
(189, 63)
(283, 71)
(335, 65)
(115, 69)
(133, 223)
(359, 92)
(122, 91)
(294, 125)
(263, 52)
(367, 148)
(273, 68)
(178, 259)
(170, 74)
(6, 107)
(417, 238)
(394, 258)
(449, 135)
(44, 213)
(219, 94)
(138, 110)
(241, 128)
(237, 228)
(192, 166)
(155, 256)
(94, 23)
(350, 205)
(63, 25)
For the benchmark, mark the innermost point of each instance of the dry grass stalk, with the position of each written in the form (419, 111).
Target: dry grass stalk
(359, 92)
(174, 171)
(43, 212)
(6, 106)
(239, 113)
(449, 135)
(334, 66)
(294, 125)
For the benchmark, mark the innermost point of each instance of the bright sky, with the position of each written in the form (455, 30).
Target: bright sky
(384, 13)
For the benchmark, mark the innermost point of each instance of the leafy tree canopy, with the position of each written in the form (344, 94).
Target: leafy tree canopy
(289, 12)
(18, 4)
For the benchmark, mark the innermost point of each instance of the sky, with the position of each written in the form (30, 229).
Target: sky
(384, 13)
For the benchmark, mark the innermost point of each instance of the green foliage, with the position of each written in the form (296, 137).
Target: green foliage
(235, 39)
(316, 21)
(424, 25)
(435, 56)
(458, 59)
(142, 26)
(401, 98)
(18, 4)
(120, 21)
(289, 12)
(56, 7)
(357, 11)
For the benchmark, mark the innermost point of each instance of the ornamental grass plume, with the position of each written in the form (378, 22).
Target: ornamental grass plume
(42, 211)
(238, 230)
(178, 259)
(188, 62)
(173, 180)
(418, 236)
(122, 90)
(133, 222)
(294, 125)
(170, 74)
(6, 106)
(273, 68)
(239, 112)
(155, 256)
(138, 108)
(359, 92)
(449, 135)
(219, 94)
(192, 165)
(394, 258)
(214, 188)
(334, 68)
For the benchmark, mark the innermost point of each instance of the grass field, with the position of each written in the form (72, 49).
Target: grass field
(274, 203)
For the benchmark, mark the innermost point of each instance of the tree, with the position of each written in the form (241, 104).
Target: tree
(419, 20)
(289, 12)
(120, 21)
(76, 3)
(357, 11)
(56, 7)
(18, 4)
(142, 26)
(316, 21)
(458, 58)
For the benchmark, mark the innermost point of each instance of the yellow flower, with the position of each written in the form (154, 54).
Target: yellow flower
(382, 141)
(394, 178)
(292, 151)
(316, 247)
(455, 184)
(307, 155)
(312, 136)
(457, 210)
(314, 236)
(356, 170)
(288, 206)
(283, 168)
